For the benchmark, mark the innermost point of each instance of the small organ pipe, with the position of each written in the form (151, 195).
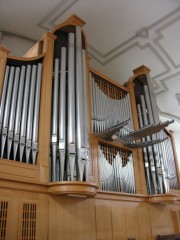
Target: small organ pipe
(24, 112)
(30, 113)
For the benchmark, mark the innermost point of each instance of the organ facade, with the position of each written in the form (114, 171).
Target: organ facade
(82, 157)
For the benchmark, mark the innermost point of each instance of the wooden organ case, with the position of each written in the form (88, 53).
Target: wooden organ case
(82, 157)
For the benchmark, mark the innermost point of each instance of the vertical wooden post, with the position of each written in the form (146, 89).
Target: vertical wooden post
(171, 135)
(138, 155)
(45, 107)
(3, 59)
(138, 159)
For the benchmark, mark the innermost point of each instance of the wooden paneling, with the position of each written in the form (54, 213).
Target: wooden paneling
(71, 219)
(160, 220)
(144, 224)
(103, 223)
(118, 222)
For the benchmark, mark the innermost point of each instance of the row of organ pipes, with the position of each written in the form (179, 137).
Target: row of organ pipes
(19, 112)
(70, 120)
(159, 163)
(75, 91)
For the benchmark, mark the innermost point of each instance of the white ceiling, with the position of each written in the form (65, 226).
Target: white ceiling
(122, 35)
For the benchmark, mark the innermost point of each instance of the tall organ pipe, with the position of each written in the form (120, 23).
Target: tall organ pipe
(18, 112)
(7, 110)
(55, 119)
(62, 113)
(79, 105)
(71, 110)
(24, 112)
(36, 114)
(13, 111)
(86, 119)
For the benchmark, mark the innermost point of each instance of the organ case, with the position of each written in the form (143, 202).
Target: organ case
(68, 130)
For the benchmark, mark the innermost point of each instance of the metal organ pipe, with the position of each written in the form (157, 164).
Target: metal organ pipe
(30, 114)
(36, 114)
(24, 112)
(55, 119)
(62, 113)
(79, 106)
(18, 112)
(85, 117)
(3, 96)
(71, 110)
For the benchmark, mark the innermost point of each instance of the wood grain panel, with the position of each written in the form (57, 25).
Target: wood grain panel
(71, 219)
(118, 223)
(144, 223)
(103, 223)
(132, 222)
(160, 218)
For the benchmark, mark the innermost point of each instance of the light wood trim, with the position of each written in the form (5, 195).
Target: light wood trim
(3, 59)
(35, 50)
(45, 107)
(73, 20)
(174, 217)
(73, 189)
(26, 59)
(26, 185)
(171, 135)
(18, 171)
(142, 69)
(109, 80)
(138, 161)
(113, 143)
(121, 196)
(162, 198)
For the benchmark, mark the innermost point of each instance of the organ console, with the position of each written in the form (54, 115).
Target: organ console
(67, 132)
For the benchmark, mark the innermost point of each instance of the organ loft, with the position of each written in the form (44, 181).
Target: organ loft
(81, 156)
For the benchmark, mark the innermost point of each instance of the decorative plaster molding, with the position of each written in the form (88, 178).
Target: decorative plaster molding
(48, 22)
(177, 95)
(160, 37)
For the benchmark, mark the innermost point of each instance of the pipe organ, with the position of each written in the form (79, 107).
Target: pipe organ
(67, 133)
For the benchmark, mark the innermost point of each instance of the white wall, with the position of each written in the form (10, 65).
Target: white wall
(18, 45)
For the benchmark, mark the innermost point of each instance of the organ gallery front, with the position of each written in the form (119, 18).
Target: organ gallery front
(81, 156)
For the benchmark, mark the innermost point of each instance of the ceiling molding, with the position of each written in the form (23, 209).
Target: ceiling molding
(47, 22)
(161, 36)
(177, 95)
(169, 115)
